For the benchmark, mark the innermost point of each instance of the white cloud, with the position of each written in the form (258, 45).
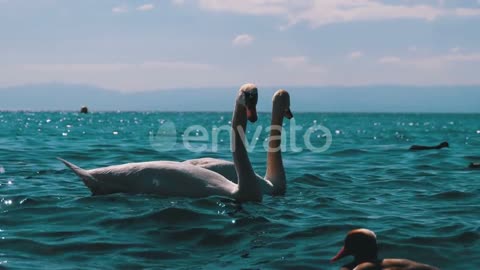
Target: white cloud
(356, 55)
(467, 12)
(300, 63)
(290, 61)
(175, 65)
(389, 60)
(146, 7)
(459, 69)
(126, 76)
(114, 67)
(120, 9)
(455, 50)
(458, 57)
(243, 40)
(433, 62)
(322, 12)
(178, 2)
(328, 12)
(254, 7)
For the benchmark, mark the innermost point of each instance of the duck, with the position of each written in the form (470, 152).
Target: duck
(474, 165)
(362, 245)
(422, 147)
(170, 178)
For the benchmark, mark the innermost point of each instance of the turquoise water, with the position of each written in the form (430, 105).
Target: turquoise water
(423, 205)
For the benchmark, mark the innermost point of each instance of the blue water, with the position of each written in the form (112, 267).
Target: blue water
(423, 206)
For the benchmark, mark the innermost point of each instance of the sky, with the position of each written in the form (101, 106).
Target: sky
(164, 44)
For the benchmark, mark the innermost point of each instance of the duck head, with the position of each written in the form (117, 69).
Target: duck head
(360, 243)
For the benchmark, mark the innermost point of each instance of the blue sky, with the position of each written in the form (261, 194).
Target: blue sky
(142, 45)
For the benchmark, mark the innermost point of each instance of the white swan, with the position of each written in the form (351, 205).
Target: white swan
(274, 182)
(181, 179)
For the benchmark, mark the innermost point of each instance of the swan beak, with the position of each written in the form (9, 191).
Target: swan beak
(288, 114)
(252, 114)
(342, 253)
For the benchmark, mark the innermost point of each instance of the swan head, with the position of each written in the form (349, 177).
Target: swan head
(281, 100)
(248, 97)
(361, 243)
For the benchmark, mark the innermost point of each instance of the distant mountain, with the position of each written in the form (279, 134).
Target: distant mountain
(312, 99)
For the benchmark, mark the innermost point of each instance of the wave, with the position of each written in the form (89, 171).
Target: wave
(171, 216)
(310, 180)
(464, 238)
(34, 247)
(349, 152)
(453, 195)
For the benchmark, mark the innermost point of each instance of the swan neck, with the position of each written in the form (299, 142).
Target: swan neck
(248, 186)
(275, 170)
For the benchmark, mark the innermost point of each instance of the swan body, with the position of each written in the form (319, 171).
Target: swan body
(223, 167)
(274, 183)
(169, 178)
(227, 169)
(166, 178)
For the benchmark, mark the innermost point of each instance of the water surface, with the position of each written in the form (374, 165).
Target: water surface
(423, 205)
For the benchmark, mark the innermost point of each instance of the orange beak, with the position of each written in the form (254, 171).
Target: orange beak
(342, 253)
(252, 114)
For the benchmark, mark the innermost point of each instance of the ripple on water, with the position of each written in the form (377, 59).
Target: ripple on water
(453, 195)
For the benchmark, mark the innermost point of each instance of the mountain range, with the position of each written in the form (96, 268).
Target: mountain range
(70, 97)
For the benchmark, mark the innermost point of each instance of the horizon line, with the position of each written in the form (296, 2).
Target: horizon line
(221, 111)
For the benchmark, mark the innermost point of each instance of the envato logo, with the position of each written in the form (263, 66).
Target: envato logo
(197, 138)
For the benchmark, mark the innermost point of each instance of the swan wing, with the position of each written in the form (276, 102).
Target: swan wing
(227, 170)
(220, 166)
(163, 178)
